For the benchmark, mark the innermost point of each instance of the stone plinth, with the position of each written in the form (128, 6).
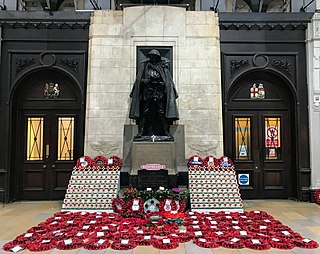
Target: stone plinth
(153, 153)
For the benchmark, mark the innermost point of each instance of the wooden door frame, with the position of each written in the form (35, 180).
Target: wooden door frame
(290, 92)
(15, 117)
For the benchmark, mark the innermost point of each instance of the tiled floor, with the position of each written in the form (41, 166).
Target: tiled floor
(302, 217)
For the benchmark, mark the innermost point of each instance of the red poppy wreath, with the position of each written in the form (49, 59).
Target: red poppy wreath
(100, 162)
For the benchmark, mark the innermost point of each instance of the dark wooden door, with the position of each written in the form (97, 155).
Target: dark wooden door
(260, 145)
(48, 143)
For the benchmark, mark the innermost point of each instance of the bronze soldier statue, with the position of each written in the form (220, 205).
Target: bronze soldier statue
(154, 97)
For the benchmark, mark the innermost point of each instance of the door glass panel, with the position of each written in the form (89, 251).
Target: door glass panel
(35, 138)
(272, 138)
(65, 138)
(242, 137)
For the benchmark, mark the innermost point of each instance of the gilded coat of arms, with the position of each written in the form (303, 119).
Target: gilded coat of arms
(51, 90)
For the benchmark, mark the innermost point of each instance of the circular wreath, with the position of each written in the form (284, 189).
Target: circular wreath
(221, 160)
(116, 162)
(165, 207)
(262, 245)
(42, 245)
(204, 243)
(162, 244)
(306, 243)
(281, 243)
(317, 196)
(10, 245)
(120, 245)
(129, 209)
(195, 165)
(75, 244)
(96, 244)
(87, 159)
(214, 163)
(118, 205)
(144, 240)
(100, 161)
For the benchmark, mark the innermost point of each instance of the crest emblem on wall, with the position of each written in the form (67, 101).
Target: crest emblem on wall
(51, 90)
(257, 92)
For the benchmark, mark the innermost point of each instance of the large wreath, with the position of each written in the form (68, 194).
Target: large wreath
(168, 205)
(86, 164)
(100, 161)
(207, 162)
(192, 163)
(118, 205)
(135, 207)
(116, 162)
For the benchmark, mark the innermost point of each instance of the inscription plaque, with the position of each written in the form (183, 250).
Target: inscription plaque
(152, 179)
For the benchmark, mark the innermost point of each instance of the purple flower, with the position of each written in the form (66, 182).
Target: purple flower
(177, 190)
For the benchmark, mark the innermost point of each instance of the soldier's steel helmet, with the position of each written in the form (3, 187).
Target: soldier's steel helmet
(154, 52)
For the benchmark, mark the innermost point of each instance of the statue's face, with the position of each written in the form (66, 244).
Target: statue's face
(154, 59)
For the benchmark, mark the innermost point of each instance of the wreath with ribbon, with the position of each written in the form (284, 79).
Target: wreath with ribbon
(100, 161)
(165, 243)
(96, 244)
(137, 210)
(208, 164)
(123, 244)
(73, 244)
(168, 205)
(280, 243)
(259, 245)
(317, 196)
(118, 205)
(306, 243)
(206, 243)
(116, 163)
(42, 245)
(222, 162)
(88, 161)
(195, 164)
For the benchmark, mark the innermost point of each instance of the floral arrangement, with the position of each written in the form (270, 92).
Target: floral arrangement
(131, 193)
(179, 193)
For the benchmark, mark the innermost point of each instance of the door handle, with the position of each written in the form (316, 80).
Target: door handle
(47, 151)
(44, 166)
(53, 166)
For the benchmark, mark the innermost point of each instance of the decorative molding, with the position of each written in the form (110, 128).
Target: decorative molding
(106, 148)
(44, 25)
(73, 63)
(262, 26)
(204, 149)
(316, 29)
(22, 63)
(282, 64)
(236, 64)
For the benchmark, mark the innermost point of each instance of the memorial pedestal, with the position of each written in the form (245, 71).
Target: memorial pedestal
(153, 153)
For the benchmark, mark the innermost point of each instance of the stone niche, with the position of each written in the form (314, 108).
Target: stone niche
(115, 37)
